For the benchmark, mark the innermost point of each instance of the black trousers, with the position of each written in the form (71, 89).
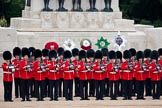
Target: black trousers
(156, 89)
(46, 87)
(53, 89)
(68, 84)
(61, 88)
(92, 87)
(140, 89)
(84, 89)
(161, 87)
(134, 87)
(39, 88)
(32, 87)
(148, 87)
(25, 88)
(120, 93)
(17, 82)
(127, 89)
(99, 89)
(7, 91)
(77, 87)
(114, 88)
(107, 88)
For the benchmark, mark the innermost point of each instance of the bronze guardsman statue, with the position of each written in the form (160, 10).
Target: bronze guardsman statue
(92, 4)
(107, 6)
(46, 6)
(61, 6)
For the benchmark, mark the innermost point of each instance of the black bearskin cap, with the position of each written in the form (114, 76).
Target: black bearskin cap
(7, 55)
(98, 54)
(132, 51)
(139, 55)
(31, 49)
(37, 53)
(126, 54)
(160, 51)
(25, 51)
(90, 53)
(52, 54)
(82, 54)
(16, 51)
(119, 55)
(154, 54)
(147, 53)
(104, 51)
(112, 55)
(75, 52)
(45, 52)
(67, 54)
(60, 51)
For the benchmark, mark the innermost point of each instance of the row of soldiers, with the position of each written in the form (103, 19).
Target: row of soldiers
(43, 73)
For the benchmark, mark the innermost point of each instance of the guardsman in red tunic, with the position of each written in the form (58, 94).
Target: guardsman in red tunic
(68, 75)
(127, 75)
(46, 82)
(32, 81)
(16, 62)
(75, 53)
(160, 63)
(83, 76)
(140, 69)
(60, 60)
(113, 71)
(99, 75)
(133, 61)
(25, 70)
(8, 69)
(90, 56)
(118, 63)
(147, 55)
(53, 75)
(155, 70)
(105, 62)
(39, 68)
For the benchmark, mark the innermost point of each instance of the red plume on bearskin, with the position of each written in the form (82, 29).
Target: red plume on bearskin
(52, 46)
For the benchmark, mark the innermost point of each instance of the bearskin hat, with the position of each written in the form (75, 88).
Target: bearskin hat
(98, 54)
(7, 55)
(104, 51)
(52, 54)
(160, 51)
(126, 54)
(118, 55)
(90, 53)
(67, 54)
(25, 51)
(112, 55)
(45, 52)
(154, 54)
(60, 51)
(139, 55)
(147, 53)
(16, 51)
(37, 53)
(82, 54)
(132, 51)
(75, 52)
(31, 49)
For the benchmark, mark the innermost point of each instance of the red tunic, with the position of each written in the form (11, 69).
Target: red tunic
(147, 73)
(160, 63)
(113, 74)
(82, 71)
(46, 73)
(155, 75)
(25, 74)
(105, 62)
(126, 73)
(61, 71)
(140, 73)
(98, 73)
(17, 69)
(39, 74)
(7, 74)
(53, 72)
(76, 73)
(68, 73)
(91, 72)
